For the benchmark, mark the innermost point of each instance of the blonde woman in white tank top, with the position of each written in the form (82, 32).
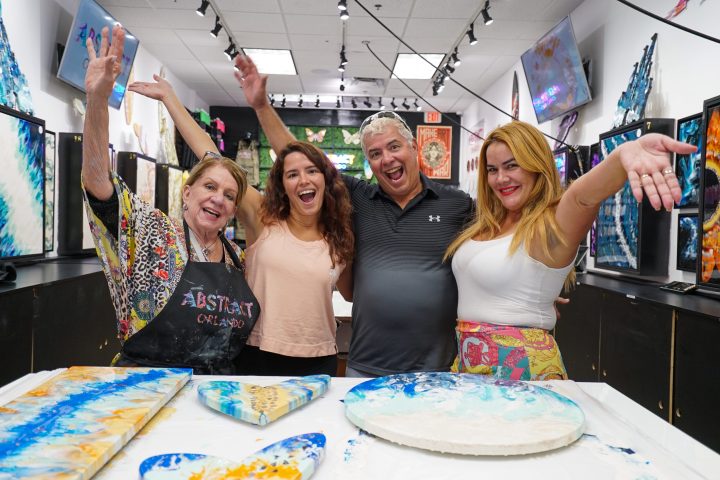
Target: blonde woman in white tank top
(511, 263)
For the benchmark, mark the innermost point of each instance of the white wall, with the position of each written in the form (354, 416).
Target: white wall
(685, 71)
(34, 27)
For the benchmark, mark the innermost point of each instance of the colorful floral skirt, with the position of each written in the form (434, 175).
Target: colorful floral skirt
(507, 352)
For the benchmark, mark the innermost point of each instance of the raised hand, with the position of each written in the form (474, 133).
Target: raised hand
(105, 65)
(159, 90)
(648, 166)
(252, 83)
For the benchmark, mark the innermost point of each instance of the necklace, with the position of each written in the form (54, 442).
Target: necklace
(205, 250)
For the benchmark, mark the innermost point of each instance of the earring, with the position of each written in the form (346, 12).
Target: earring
(185, 207)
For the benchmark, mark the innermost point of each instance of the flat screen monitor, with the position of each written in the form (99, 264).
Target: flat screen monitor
(555, 74)
(708, 273)
(687, 241)
(687, 167)
(22, 185)
(88, 23)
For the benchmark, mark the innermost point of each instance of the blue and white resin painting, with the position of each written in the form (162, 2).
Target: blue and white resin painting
(464, 413)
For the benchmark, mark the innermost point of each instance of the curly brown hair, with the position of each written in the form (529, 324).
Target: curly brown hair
(336, 209)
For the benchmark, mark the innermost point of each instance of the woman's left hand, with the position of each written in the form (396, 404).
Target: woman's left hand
(159, 90)
(649, 168)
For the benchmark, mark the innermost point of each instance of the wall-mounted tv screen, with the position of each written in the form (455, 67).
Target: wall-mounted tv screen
(632, 237)
(687, 167)
(49, 191)
(708, 274)
(22, 185)
(88, 23)
(555, 74)
(687, 241)
(593, 159)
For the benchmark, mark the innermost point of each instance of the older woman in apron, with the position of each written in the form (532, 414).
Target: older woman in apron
(177, 285)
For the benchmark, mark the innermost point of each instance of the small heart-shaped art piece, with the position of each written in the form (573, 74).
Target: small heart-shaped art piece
(294, 458)
(261, 405)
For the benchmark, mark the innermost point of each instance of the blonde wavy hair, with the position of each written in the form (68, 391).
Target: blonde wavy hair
(537, 222)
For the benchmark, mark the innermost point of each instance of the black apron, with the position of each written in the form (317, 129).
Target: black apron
(204, 324)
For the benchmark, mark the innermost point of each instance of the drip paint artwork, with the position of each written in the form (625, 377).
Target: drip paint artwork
(294, 458)
(465, 414)
(711, 202)
(71, 425)
(261, 405)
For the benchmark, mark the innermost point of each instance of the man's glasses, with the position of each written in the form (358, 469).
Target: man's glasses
(383, 114)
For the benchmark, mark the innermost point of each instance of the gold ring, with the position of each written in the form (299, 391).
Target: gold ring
(668, 171)
(644, 175)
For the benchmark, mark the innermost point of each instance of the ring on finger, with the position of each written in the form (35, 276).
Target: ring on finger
(668, 171)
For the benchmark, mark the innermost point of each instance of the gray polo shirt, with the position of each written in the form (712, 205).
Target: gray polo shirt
(404, 296)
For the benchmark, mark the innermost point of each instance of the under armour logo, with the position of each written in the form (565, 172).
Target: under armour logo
(434, 218)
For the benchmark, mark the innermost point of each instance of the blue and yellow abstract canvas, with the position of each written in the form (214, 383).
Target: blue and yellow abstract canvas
(71, 425)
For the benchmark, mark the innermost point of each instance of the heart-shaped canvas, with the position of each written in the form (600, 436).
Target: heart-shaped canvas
(261, 405)
(294, 458)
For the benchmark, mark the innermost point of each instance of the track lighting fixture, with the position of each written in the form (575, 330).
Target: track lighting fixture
(456, 60)
(283, 102)
(367, 102)
(342, 5)
(230, 50)
(354, 103)
(203, 8)
(344, 14)
(272, 99)
(405, 104)
(487, 19)
(343, 58)
(337, 103)
(449, 68)
(435, 89)
(393, 104)
(417, 106)
(216, 29)
(341, 67)
(317, 102)
(471, 34)
(300, 102)
(381, 105)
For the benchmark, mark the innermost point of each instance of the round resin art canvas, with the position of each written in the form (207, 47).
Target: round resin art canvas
(464, 413)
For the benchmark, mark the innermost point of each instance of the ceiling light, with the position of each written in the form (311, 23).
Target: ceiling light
(393, 104)
(341, 68)
(282, 103)
(367, 102)
(214, 32)
(354, 103)
(317, 102)
(337, 104)
(344, 14)
(405, 104)
(456, 60)
(300, 102)
(441, 87)
(342, 5)
(229, 51)
(412, 66)
(487, 19)
(435, 89)
(272, 61)
(203, 8)
(449, 68)
(272, 99)
(343, 58)
(380, 104)
(471, 34)
(417, 107)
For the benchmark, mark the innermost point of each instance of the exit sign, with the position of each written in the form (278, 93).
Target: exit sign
(433, 117)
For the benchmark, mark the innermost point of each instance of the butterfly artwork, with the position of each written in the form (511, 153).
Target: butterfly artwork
(351, 138)
(261, 405)
(294, 458)
(315, 137)
(677, 9)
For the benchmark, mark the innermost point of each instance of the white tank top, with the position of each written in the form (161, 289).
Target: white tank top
(505, 290)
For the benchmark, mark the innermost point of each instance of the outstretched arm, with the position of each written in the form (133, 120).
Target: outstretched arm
(103, 68)
(253, 85)
(645, 162)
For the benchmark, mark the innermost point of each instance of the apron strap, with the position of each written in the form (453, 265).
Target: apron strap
(233, 256)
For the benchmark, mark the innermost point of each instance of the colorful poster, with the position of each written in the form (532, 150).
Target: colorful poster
(434, 151)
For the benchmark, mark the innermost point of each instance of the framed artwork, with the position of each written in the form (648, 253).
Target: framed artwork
(434, 151)
(49, 191)
(708, 274)
(687, 167)
(593, 159)
(687, 241)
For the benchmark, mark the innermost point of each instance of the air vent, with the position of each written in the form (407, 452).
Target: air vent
(367, 81)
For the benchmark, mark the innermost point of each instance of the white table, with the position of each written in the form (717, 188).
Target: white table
(615, 426)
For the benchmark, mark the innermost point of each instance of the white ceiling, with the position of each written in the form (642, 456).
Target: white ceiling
(180, 39)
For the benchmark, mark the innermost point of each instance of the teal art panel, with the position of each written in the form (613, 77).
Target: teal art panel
(14, 90)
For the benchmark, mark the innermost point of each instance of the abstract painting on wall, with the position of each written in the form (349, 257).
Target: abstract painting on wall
(709, 275)
(687, 241)
(14, 89)
(687, 167)
(22, 185)
(49, 191)
(594, 159)
(71, 425)
(145, 186)
(175, 183)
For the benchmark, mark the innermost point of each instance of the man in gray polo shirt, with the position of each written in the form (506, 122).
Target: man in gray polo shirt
(404, 296)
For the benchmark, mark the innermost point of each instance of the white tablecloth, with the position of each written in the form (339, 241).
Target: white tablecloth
(622, 440)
